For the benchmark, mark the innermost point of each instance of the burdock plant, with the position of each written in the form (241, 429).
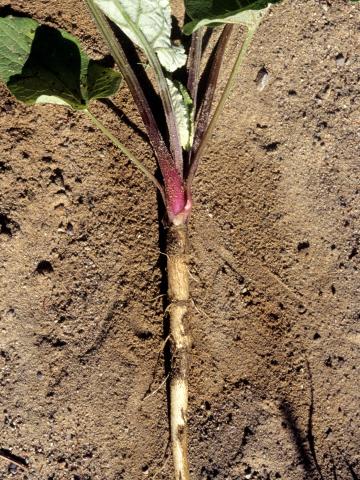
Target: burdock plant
(40, 64)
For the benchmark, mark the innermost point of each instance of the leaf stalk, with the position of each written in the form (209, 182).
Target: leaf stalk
(219, 108)
(194, 65)
(157, 142)
(212, 72)
(125, 151)
(164, 92)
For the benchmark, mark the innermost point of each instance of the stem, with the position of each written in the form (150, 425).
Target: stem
(126, 152)
(180, 345)
(157, 142)
(220, 107)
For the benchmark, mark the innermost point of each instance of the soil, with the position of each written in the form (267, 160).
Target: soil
(274, 389)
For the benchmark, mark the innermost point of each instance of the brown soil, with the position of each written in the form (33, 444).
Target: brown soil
(275, 244)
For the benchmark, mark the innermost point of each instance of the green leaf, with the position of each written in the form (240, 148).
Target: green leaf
(102, 82)
(40, 64)
(184, 112)
(15, 40)
(146, 21)
(217, 12)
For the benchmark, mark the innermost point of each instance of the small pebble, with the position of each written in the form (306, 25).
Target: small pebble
(12, 468)
(262, 79)
(340, 60)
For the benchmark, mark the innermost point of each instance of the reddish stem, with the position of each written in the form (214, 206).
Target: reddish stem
(178, 202)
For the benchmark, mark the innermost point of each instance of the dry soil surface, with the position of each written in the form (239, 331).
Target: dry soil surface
(275, 237)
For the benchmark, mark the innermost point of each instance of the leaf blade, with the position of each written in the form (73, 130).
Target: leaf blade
(184, 112)
(46, 65)
(217, 12)
(153, 19)
(102, 81)
(11, 42)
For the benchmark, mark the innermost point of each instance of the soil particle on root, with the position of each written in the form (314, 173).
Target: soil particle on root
(274, 273)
